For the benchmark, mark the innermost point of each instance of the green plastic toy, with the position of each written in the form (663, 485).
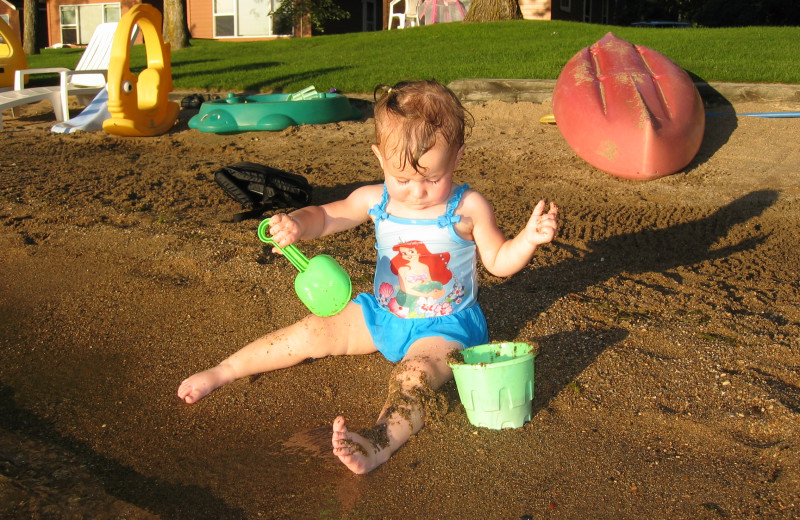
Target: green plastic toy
(495, 384)
(272, 112)
(322, 285)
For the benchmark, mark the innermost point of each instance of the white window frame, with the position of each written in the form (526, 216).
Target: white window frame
(587, 11)
(215, 14)
(62, 25)
(273, 5)
(77, 25)
(566, 5)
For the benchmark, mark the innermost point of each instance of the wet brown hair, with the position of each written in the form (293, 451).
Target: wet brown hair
(422, 112)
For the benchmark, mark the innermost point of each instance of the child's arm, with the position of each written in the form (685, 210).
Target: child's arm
(316, 221)
(502, 256)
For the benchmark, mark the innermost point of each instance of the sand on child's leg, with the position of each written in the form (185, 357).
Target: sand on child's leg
(412, 400)
(359, 454)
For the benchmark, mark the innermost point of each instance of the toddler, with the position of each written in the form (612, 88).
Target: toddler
(429, 232)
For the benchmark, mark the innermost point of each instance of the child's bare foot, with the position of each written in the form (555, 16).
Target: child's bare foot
(203, 383)
(358, 453)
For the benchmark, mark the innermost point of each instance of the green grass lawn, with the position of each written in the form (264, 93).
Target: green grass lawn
(355, 63)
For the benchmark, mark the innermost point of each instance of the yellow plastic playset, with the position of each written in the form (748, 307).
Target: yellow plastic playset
(139, 105)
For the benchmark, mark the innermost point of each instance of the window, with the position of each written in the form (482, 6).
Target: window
(69, 29)
(111, 12)
(78, 22)
(244, 18)
(224, 17)
(566, 5)
(6, 19)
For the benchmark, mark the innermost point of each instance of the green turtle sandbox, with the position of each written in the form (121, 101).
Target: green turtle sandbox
(272, 112)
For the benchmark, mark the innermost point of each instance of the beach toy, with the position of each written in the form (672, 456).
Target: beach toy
(140, 105)
(12, 57)
(495, 383)
(322, 285)
(757, 114)
(548, 119)
(628, 110)
(272, 112)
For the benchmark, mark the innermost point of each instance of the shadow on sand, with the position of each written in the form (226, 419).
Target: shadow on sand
(165, 499)
(564, 355)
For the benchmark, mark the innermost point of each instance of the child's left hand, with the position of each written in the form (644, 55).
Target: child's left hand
(284, 229)
(542, 227)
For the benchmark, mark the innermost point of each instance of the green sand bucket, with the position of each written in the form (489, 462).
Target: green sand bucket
(322, 284)
(495, 384)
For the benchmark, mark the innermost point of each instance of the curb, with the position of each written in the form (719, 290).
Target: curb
(541, 90)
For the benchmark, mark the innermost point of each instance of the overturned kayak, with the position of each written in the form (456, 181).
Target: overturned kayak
(628, 110)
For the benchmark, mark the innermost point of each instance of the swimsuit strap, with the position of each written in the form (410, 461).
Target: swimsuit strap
(449, 217)
(379, 210)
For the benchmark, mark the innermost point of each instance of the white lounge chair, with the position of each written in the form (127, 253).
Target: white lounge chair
(90, 74)
(15, 98)
(407, 15)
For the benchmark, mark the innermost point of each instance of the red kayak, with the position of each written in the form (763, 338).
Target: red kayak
(628, 110)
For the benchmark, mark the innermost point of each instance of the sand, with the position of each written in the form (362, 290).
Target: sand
(665, 313)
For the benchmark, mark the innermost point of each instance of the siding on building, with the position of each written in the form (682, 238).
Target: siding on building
(200, 18)
(536, 9)
(54, 14)
(14, 16)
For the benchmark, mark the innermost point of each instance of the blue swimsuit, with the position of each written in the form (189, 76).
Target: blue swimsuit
(426, 282)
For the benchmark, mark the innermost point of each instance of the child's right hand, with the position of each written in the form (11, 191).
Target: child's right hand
(284, 229)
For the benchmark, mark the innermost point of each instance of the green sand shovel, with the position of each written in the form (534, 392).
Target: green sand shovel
(322, 285)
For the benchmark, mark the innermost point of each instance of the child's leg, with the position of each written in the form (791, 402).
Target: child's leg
(312, 337)
(411, 398)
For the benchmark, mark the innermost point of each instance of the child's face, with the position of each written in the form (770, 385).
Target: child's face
(412, 189)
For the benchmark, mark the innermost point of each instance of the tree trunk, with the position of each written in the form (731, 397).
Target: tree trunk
(303, 27)
(175, 30)
(29, 18)
(493, 11)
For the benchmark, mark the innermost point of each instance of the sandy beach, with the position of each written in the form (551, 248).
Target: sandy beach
(665, 314)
